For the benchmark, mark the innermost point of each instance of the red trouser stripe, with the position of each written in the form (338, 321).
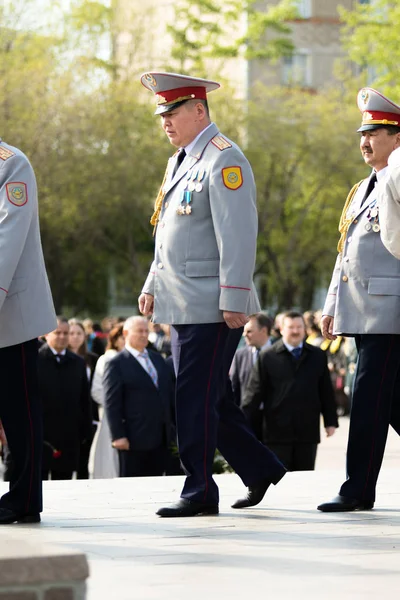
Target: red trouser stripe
(377, 414)
(207, 404)
(28, 407)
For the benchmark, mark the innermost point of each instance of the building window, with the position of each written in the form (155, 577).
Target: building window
(296, 70)
(304, 8)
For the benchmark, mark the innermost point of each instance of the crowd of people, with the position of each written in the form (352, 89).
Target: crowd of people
(105, 407)
(201, 284)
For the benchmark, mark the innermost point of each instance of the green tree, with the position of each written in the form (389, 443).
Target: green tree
(305, 160)
(372, 41)
(87, 136)
(205, 30)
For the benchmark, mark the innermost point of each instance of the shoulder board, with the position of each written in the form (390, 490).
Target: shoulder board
(5, 153)
(220, 142)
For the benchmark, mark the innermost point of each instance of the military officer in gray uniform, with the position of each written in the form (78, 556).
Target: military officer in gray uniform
(26, 312)
(364, 301)
(201, 284)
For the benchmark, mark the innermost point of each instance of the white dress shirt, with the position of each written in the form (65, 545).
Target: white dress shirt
(135, 353)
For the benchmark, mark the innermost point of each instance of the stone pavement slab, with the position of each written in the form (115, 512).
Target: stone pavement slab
(283, 549)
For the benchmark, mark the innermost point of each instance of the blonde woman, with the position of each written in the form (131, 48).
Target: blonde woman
(106, 463)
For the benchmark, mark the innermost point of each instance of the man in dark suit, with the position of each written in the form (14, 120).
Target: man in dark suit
(138, 387)
(256, 333)
(292, 380)
(64, 391)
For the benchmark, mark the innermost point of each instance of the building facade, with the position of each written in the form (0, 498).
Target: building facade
(142, 42)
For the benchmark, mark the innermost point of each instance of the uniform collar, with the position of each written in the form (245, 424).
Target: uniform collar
(189, 147)
(191, 158)
(380, 174)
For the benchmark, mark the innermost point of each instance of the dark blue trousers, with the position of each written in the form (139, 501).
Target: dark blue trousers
(20, 413)
(375, 405)
(207, 416)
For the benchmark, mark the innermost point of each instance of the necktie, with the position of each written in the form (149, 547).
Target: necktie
(150, 367)
(256, 354)
(179, 160)
(371, 184)
(296, 353)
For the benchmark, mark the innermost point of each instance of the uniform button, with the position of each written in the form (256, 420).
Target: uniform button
(160, 265)
(160, 246)
(166, 204)
(349, 239)
(345, 278)
(355, 221)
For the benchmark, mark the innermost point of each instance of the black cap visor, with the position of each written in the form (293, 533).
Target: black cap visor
(370, 127)
(170, 107)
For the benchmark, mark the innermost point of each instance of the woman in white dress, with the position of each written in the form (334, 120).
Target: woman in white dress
(105, 456)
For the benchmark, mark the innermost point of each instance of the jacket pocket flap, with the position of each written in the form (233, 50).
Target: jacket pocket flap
(384, 286)
(202, 268)
(18, 284)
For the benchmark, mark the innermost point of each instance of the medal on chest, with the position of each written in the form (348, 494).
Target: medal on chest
(192, 185)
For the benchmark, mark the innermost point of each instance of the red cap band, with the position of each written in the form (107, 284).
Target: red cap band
(180, 94)
(376, 117)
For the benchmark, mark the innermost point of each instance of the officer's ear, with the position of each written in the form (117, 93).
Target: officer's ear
(200, 110)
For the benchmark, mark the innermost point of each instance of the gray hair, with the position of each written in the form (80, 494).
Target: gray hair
(131, 322)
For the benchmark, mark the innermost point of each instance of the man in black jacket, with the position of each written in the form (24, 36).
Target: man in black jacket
(292, 380)
(138, 389)
(64, 391)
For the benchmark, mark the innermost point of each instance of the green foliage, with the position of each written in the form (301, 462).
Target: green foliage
(223, 29)
(88, 139)
(305, 159)
(99, 154)
(372, 40)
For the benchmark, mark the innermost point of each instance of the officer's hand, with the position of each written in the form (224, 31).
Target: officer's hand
(121, 444)
(146, 304)
(3, 439)
(327, 327)
(330, 431)
(234, 320)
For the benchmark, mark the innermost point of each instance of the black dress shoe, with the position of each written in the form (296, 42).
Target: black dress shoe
(186, 508)
(256, 493)
(8, 516)
(343, 504)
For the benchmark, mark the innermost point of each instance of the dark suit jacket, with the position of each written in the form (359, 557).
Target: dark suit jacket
(135, 408)
(64, 391)
(242, 366)
(294, 392)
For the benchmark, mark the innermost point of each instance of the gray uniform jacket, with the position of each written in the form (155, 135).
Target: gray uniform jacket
(26, 305)
(389, 200)
(364, 294)
(204, 261)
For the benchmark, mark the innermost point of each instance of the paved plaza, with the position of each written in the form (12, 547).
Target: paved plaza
(283, 549)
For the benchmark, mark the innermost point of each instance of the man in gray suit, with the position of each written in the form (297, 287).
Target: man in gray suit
(201, 284)
(256, 333)
(364, 301)
(26, 312)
